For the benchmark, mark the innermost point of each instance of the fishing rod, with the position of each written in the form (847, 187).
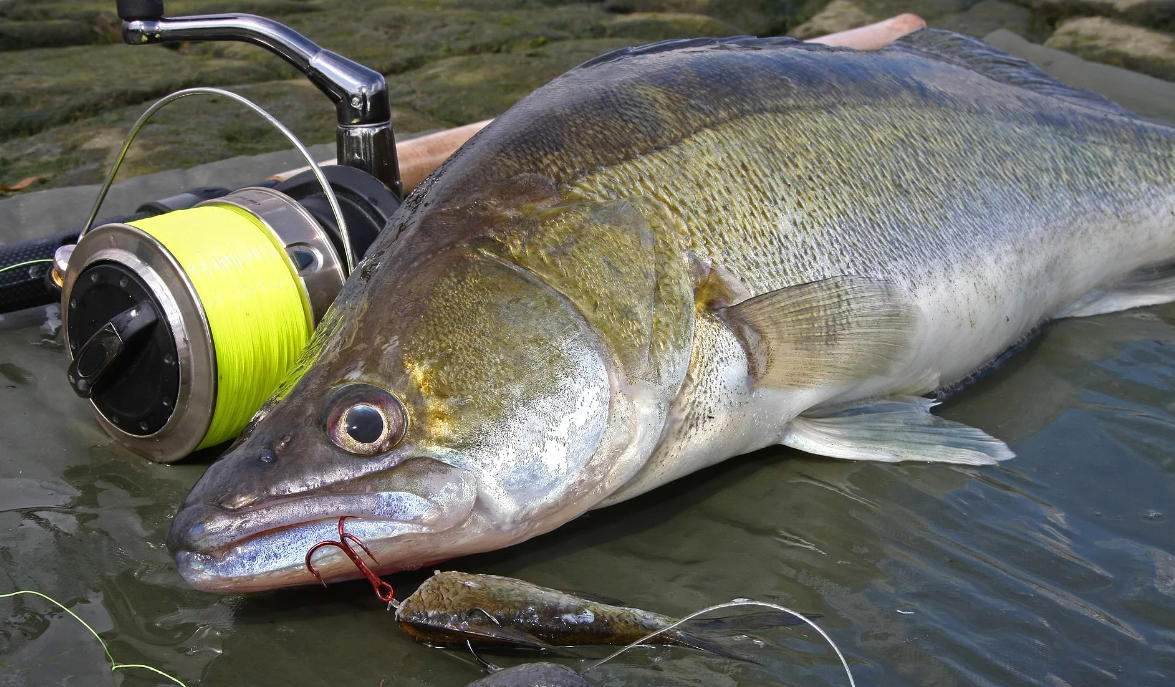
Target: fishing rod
(183, 317)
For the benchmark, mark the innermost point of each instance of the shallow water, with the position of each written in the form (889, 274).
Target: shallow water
(1056, 568)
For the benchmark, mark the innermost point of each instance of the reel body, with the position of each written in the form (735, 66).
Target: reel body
(180, 325)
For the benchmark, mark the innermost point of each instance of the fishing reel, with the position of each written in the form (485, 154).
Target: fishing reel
(181, 319)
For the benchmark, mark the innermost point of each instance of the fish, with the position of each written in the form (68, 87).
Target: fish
(455, 607)
(537, 674)
(676, 254)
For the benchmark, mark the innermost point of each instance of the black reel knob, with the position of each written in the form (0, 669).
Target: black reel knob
(135, 10)
(125, 362)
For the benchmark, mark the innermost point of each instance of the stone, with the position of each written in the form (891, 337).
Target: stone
(1143, 95)
(1155, 14)
(838, 15)
(657, 26)
(54, 33)
(1115, 43)
(842, 15)
(49, 87)
(984, 17)
(758, 17)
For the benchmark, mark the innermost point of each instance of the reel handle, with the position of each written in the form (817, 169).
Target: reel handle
(99, 354)
(363, 111)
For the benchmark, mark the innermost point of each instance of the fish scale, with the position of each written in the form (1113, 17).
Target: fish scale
(813, 204)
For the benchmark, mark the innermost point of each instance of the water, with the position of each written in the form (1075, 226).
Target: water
(1056, 568)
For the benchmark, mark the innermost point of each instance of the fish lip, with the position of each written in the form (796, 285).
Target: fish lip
(264, 546)
(276, 557)
(227, 570)
(204, 528)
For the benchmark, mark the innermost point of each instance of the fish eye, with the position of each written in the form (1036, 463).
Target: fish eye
(363, 423)
(365, 420)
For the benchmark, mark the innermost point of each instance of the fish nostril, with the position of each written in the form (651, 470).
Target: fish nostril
(267, 455)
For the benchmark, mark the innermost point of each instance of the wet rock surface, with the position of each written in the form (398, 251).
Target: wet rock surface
(984, 17)
(69, 89)
(1143, 95)
(1117, 43)
(65, 107)
(1158, 14)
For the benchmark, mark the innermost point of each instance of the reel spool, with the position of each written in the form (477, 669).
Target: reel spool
(181, 325)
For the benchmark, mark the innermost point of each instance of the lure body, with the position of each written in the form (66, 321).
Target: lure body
(455, 607)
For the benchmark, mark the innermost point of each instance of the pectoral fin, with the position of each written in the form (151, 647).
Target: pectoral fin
(1148, 286)
(891, 430)
(834, 330)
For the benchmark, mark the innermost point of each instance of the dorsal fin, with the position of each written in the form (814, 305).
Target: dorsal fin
(997, 65)
(684, 43)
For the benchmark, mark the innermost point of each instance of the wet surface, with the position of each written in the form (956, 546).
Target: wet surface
(1057, 568)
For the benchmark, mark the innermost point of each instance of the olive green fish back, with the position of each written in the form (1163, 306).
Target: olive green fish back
(790, 162)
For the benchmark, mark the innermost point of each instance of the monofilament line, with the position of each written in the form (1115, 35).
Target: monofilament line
(273, 121)
(114, 665)
(731, 604)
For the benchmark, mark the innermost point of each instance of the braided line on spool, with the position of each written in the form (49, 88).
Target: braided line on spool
(248, 288)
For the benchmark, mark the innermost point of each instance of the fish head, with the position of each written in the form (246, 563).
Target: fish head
(453, 401)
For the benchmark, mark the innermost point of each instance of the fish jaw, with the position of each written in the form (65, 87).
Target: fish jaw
(263, 547)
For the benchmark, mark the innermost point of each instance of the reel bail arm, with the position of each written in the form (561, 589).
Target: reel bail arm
(365, 139)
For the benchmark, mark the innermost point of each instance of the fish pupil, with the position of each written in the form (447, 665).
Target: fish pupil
(364, 423)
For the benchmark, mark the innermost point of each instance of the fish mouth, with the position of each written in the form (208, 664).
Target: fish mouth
(264, 546)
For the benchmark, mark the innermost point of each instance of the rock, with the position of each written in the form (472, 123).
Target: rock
(53, 86)
(55, 33)
(838, 15)
(627, 6)
(987, 16)
(655, 26)
(1144, 95)
(842, 15)
(759, 17)
(1156, 14)
(1118, 44)
(442, 93)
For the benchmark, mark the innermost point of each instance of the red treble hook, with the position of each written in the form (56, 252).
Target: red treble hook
(344, 537)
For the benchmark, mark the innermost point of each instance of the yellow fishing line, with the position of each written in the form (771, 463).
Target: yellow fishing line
(256, 308)
(114, 665)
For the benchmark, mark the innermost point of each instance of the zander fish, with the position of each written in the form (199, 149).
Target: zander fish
(676, 254)
(453, 607)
